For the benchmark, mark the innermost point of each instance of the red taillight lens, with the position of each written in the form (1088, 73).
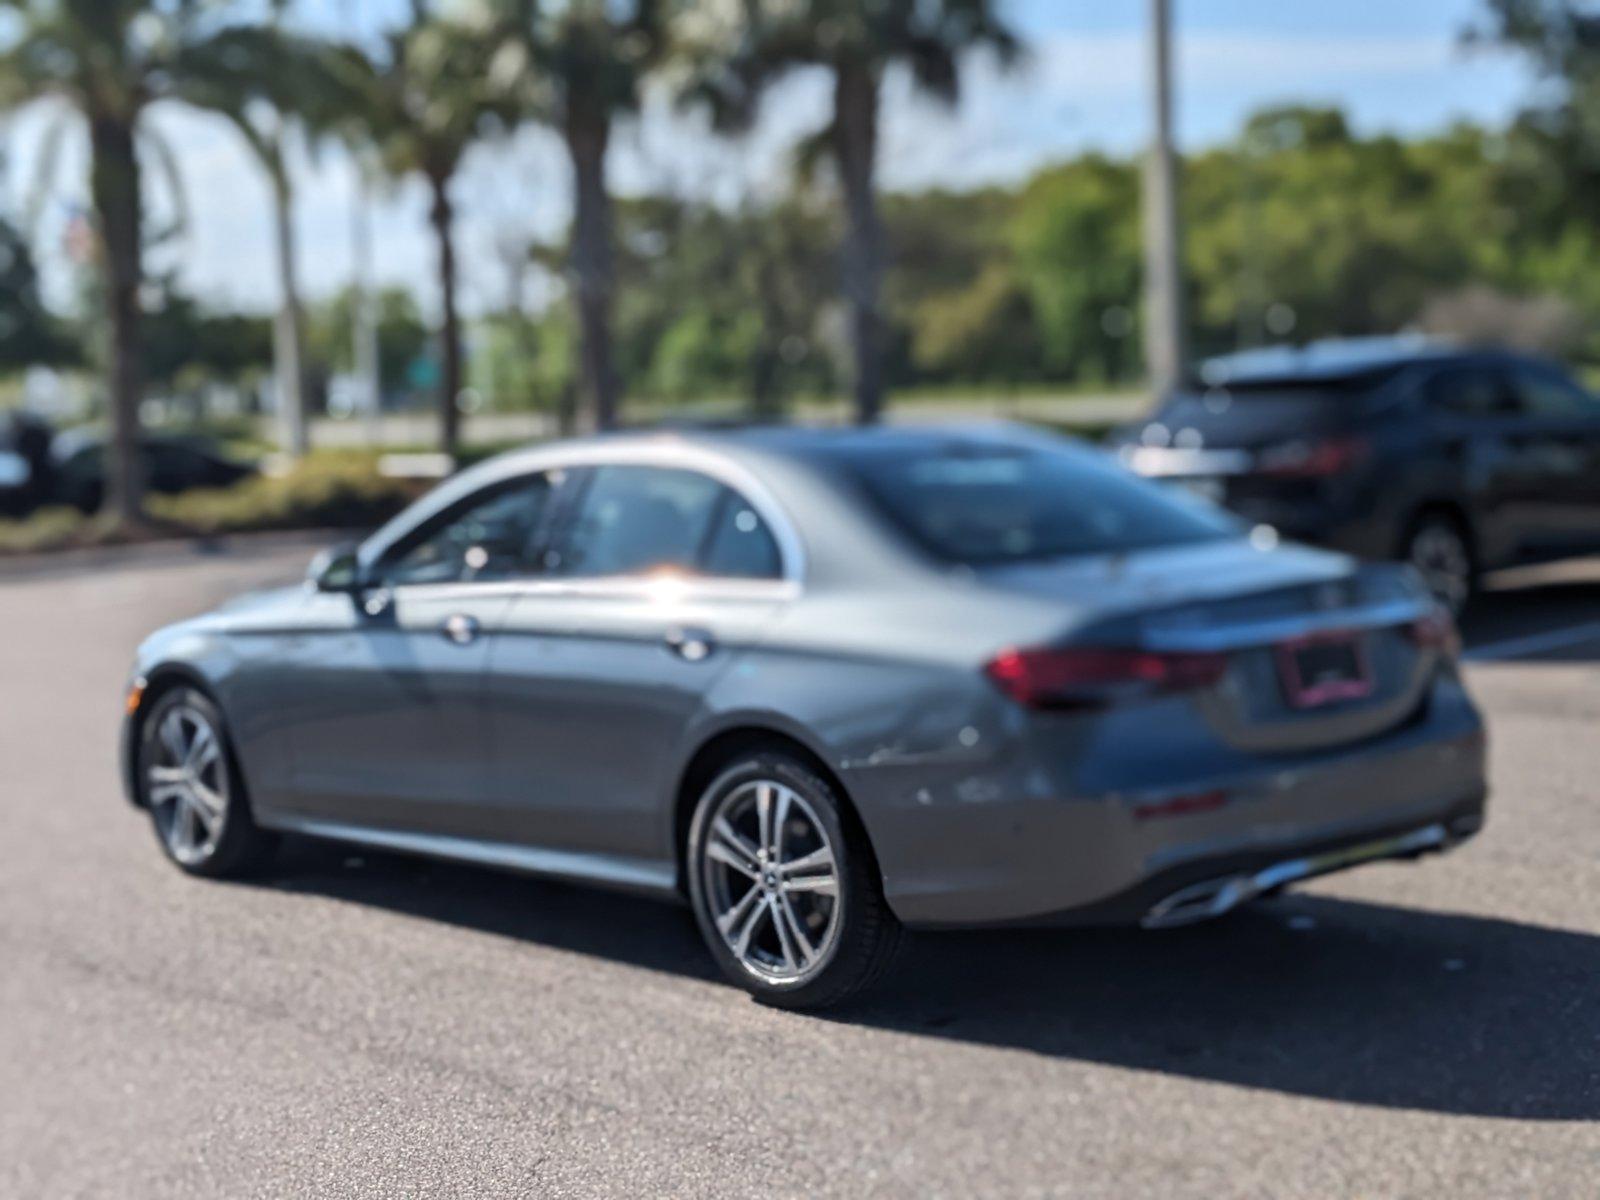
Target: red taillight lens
(1305, 460)
(1089, 675)
(1436, 631)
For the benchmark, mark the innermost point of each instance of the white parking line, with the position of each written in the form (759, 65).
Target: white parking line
(1534, 643)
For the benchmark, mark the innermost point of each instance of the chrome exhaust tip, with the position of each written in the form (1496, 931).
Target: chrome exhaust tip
(1214, 897)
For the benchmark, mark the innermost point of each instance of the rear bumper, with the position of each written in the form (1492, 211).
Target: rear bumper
(1025, 842)
(1211, 887)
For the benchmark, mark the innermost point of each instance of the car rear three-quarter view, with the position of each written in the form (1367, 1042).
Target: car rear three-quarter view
(824, 685)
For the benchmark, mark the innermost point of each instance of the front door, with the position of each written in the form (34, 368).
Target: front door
(387, 726)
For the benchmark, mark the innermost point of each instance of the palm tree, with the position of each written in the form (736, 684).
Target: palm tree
(857, 41)
(583, 64)
(265, 81)
(422, 104)
(109, 61)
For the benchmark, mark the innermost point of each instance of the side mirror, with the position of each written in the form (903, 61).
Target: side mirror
(336, 569)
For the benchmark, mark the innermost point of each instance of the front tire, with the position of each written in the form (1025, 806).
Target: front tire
(190, 784)
(784, 887)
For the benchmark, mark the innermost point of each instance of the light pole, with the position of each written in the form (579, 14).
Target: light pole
(364, 323)
(1163, 271)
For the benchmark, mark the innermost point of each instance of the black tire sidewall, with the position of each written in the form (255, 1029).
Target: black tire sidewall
(863, 915)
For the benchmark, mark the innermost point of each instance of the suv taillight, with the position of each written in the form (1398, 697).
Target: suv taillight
(1312, 459)
(1087, 676)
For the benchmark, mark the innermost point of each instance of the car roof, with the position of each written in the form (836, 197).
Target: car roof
(840, 443)
(1341, 358)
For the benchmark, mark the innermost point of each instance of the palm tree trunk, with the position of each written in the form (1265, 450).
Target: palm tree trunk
(593, 264)
(289, 333)
(443, 217)
(855, 134)
(114, 185)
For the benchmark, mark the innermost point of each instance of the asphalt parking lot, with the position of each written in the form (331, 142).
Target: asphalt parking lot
(358, 1024)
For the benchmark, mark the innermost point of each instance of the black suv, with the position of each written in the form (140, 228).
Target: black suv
(1456, 460)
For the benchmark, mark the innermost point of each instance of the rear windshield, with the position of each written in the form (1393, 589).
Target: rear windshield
(991, 505)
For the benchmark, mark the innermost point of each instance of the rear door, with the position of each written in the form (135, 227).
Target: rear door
(1559, 436)
(658, 577)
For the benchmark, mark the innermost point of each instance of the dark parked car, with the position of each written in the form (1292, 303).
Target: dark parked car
(1454, 460)
(26, 476)
(171, 464)
(821, 684)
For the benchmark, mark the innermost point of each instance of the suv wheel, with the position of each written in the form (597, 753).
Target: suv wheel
(1438, 548)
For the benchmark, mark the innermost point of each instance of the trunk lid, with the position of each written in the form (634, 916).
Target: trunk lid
(1319, 650)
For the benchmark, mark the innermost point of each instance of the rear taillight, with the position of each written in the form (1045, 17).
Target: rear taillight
(1436, 631)
(1086, 676)
(1312, 459)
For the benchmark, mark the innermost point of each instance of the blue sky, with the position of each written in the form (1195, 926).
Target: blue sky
(1396, 65)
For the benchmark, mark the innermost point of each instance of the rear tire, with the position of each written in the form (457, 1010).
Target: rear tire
(189, 782)
(1439, 547)
(784, 886)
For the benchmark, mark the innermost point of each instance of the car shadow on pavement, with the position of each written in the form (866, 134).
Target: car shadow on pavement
(1552, 618)
(1307, 995)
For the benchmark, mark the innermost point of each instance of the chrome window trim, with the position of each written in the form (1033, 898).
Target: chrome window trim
(682, 456)
(664, 588)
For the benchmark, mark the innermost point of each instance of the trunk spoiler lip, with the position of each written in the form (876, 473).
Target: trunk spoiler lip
(1167, 634)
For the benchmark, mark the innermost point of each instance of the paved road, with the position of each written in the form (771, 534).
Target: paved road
(367, 1025)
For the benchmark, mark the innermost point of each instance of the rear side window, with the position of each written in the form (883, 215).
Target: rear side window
(992, 505)
(1469, 392)
(632, 520)
(741, 546)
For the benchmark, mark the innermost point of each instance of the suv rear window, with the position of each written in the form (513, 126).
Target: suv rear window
(1000, 504)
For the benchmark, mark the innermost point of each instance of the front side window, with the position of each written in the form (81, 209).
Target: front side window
(490, 536)
(1546, 394)
(633, 520)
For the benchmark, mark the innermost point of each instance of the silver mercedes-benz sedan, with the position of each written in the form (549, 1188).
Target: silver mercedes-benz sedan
(823, 685)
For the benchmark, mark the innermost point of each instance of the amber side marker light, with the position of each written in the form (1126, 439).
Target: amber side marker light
(135, 698)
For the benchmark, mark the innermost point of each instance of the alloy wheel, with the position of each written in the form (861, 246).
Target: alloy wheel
(187, 784)
(771, 879)
(1440, 555)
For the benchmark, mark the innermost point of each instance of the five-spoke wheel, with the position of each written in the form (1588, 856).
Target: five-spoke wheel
(187, 782)
(771, 879)
(783, 885)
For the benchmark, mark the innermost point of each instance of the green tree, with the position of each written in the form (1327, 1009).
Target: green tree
(578, 65)
(110, 60)
(266, 82)
(29, 336)
(426, 99)
(402, 334)
(856, 42)
(1076, 242)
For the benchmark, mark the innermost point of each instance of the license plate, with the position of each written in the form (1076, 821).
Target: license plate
(1324, 669)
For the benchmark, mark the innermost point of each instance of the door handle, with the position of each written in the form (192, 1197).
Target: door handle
(691, 645)
(460, 628)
